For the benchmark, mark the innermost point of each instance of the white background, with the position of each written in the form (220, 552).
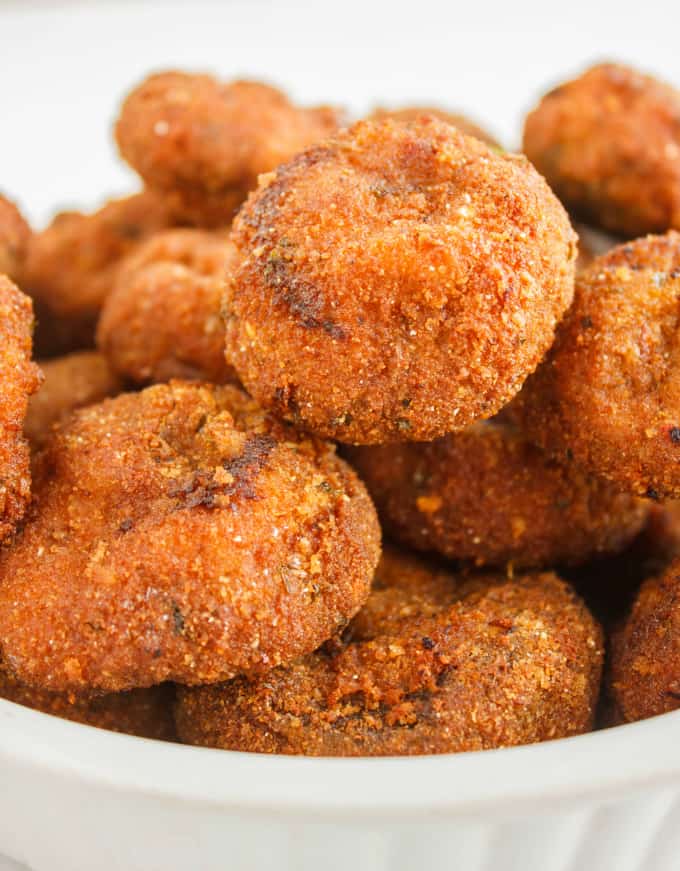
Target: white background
(65, 66)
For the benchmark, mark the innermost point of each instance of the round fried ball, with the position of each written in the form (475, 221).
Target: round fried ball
(644, 675)
(609, 145)
(432, 664)
(413, 113)
(162, 320)
(146, 713)
(70, 382)
(398, 282)
(181, 534)
(19, 378)
(207, 141)
(14, 236)
(488, 496)
(72, 265)
(608, 394)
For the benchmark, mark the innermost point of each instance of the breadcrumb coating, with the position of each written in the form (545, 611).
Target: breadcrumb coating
(145, 713)
(72, 265)
(162, 319)
(181, 534)
(69, 382)
(608, 394)
(14, 235)
(488, 496)
(608, 143)
(397, 282)
(432, 664)
(644, 675)
(413, 113)
(19, 378)
(206, 141)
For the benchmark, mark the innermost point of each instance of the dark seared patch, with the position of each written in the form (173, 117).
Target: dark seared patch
(653, 494)
(247, 466)
(177, 619)
(126, 525)
(303, 299)
(445, 674)
(428, 643)
(202, 489)
(586, 322)
(674, 434)
(133, 232)
(263, 208)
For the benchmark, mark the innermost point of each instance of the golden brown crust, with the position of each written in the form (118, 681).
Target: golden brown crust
(19, 378)
(207, 141)
(609, 145)
(181, 534)
(162, 319)
(608, 393)
(145, 713)
(72, 265)
(644, 675)
(488, 496)
(413, 113)
(436, 665)
(14, 236)
(398, 282)
(70, 382)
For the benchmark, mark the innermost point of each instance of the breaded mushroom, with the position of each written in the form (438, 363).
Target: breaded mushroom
(432, 664)
(608, 143)
(397, 282)
(206, 141)
(181, 534)
(162, 320)
(70, 382)
(14, 235)
(72, 265)
(644, 677)
(488, 496)
(608, 394)
(413, 113)
(19, 378)
(145, 713)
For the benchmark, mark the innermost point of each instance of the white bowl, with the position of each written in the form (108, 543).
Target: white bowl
(74, 798)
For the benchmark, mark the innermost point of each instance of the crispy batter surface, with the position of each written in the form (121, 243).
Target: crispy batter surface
(70, 382)
(645, 657)
(206, 141)
(609, 391)
(413, 113)
(14, 236)
(432, 664)
(489, 496)
(182, 534)
(397, 282)
(72, 265)
(609, 145)
(162, 320)
(146, 713)
(19, 378)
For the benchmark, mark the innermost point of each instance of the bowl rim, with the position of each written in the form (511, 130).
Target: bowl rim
(598, 764)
